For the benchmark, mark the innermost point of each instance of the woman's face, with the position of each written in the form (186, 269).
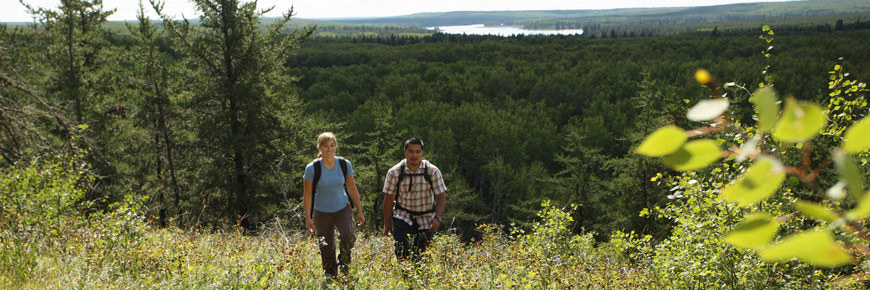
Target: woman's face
(327, 150)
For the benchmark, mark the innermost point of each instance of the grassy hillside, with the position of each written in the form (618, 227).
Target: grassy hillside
(62, 246)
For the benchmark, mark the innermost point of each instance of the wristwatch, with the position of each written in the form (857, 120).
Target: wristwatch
(438, 218)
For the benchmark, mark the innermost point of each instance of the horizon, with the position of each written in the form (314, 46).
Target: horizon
(350, 9)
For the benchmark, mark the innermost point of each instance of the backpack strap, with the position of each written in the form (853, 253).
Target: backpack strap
(318, 171)
(402, 175)
(343, 164)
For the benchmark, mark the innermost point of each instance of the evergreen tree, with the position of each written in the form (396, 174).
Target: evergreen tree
(245, 108)
(83, 80)
(156, 114)
(26, 117)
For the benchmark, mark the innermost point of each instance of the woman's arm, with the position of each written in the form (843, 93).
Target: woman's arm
(354, 197)
(308, 185)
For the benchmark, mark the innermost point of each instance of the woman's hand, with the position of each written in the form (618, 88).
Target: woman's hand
(360, 218)
(309, 225)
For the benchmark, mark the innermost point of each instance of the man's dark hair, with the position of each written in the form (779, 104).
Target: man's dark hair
(414, 141)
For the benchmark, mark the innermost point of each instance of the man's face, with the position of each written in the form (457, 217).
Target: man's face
(414, 155)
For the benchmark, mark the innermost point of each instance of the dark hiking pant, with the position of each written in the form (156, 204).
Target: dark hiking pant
(324, 228)
(410, 240)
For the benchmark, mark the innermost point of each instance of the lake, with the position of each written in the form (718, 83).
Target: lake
(480, 29)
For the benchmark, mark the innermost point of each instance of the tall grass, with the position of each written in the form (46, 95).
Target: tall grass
(49, 241)
(96, 256)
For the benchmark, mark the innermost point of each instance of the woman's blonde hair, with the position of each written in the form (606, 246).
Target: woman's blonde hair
(323, 139)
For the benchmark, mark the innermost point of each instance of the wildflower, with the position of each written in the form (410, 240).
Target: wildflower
(703, 77)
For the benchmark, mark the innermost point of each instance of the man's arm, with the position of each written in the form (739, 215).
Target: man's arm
(440, 205)
(388, 214)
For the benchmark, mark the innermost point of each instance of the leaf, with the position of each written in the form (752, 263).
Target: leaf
(814, 247)
(857, 138)
(799, 122)
(707, 110)
(694, 155)
(664, 141)
(849, 173)
(754, 232)
(861, 211)
(759, 182)
(816, 211)
(766, 108)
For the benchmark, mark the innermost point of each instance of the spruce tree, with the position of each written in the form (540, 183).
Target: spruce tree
(82, 82)
(243, 105)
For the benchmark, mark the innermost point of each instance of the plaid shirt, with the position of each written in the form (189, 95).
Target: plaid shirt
(420, 197)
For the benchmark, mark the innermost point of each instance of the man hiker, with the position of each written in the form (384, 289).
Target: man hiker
(414, 201)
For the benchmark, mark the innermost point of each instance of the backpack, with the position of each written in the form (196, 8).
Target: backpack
(317, 172)
(426, 176)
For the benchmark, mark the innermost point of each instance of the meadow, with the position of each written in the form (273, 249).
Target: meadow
(47, 242)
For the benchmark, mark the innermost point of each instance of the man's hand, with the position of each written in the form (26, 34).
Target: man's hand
(388, 229)
(434, 225)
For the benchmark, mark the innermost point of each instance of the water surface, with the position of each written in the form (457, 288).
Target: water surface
(480, 29)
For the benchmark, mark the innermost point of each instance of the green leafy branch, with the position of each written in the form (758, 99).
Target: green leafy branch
(797, 123)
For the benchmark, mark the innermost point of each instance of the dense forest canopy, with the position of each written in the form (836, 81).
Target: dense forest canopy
(522, 119)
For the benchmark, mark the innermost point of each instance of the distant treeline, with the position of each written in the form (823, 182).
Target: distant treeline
(742, 14)
(618, 28)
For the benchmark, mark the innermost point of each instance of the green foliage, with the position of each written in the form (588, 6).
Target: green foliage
(815, 211)
(696, 255)
(664, 141)
(800, 122)
(857, 138)
(814, 247)
(246, 113)
(753, 232)
(694, 155)
(761, 180)
(42, 196)
(594, 100)
(43, 216)
(766, 108)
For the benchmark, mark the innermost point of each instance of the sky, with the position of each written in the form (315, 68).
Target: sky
(13, 11)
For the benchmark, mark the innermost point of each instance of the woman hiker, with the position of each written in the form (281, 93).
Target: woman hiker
(329, 191)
